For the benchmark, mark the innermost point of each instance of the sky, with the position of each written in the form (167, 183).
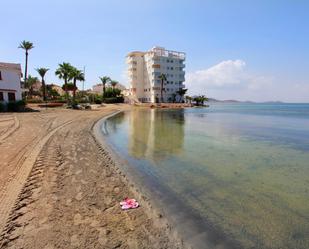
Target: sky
(241, 49)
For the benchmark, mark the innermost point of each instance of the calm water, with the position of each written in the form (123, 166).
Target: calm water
(243, 168)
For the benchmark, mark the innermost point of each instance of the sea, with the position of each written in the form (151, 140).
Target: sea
(231, 175)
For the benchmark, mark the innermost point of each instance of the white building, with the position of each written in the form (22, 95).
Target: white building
(145, 68)
(10, 88)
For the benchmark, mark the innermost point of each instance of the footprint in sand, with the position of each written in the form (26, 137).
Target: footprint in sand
(75, 240)
(79, 196)
(78, 219)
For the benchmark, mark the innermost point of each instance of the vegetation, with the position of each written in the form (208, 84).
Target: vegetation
(199, 100)
(114, 83)
(29, 84)
(16, 106)
(105, 80)
(63, 72)
(2, 107)
(182, 92)
(42, 71)
(51, 93)
(113, 95)
(76, 75)
(70, 76)
(189, 99)
(26, 45)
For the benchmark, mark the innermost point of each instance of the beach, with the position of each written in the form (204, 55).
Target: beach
(61, 189)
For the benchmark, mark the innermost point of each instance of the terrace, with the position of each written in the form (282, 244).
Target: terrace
(159, 51)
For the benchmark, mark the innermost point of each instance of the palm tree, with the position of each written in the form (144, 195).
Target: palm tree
(104, 80)
(113, 83)
(63, 72)
(182, 92)
(30, 82)
(189, 99)
(163, 78)
(200, 99)
(76, 75)
(26, 45)
(42, 71)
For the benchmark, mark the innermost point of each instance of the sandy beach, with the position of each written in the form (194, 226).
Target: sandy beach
(61, 189)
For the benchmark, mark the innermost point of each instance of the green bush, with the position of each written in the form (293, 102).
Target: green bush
(98, 101)
(2, 107)
(34, 101)
(119, 99)
(16, 106)
(110, 92)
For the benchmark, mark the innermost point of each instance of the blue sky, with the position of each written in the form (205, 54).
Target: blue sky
(240, 49)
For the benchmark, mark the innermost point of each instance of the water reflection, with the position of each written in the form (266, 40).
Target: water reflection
(156, 134)
(246, 173)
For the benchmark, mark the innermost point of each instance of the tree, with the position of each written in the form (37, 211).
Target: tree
(26, 45)
(51, 92)
(163, 78)
(104, 80)
(42, 71)
(113, 83)
(29, 84)
(189, 99)
(63, 72)
(174, 97)
(182, 92)
(76, 75)
(200, 99)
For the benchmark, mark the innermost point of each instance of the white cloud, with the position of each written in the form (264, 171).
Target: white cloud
(228, 74)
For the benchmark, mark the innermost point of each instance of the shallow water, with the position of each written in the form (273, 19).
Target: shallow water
(242, 167)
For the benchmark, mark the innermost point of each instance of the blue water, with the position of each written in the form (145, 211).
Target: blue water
(242, 168)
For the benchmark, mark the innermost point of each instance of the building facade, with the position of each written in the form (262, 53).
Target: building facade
(145, 70)
(10, 83)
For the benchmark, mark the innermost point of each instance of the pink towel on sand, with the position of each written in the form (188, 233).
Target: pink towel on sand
(128, 204)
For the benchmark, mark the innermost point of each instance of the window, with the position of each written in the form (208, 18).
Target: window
(1, 78)
(1, 96)
(11, 96)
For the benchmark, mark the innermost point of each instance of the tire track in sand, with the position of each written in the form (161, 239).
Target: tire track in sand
(8, 199)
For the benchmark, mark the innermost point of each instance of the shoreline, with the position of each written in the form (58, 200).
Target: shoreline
(70, 198)
(186, 226)
(152, 210)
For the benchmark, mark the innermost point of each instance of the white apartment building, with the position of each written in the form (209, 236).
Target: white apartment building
(145, 68)
(10, 88)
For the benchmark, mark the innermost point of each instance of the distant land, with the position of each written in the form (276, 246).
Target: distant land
(238, 101)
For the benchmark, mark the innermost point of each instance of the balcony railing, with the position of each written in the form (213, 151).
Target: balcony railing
(168, 53)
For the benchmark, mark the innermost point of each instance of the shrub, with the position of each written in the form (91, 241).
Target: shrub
(98, 101)
(34, 101)
(16, 106)
(2, 107)
(119, 99)
(110, 92)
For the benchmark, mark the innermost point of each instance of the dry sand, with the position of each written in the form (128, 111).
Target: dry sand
(60, 189)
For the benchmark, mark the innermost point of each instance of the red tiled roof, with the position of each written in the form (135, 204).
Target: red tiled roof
(12, 66)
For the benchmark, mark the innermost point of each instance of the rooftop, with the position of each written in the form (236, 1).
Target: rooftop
(160, 51)
(11, 66)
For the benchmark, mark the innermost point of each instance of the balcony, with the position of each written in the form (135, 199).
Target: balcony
(132, 69)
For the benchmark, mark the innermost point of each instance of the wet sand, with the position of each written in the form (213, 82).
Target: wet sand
(61, 189)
